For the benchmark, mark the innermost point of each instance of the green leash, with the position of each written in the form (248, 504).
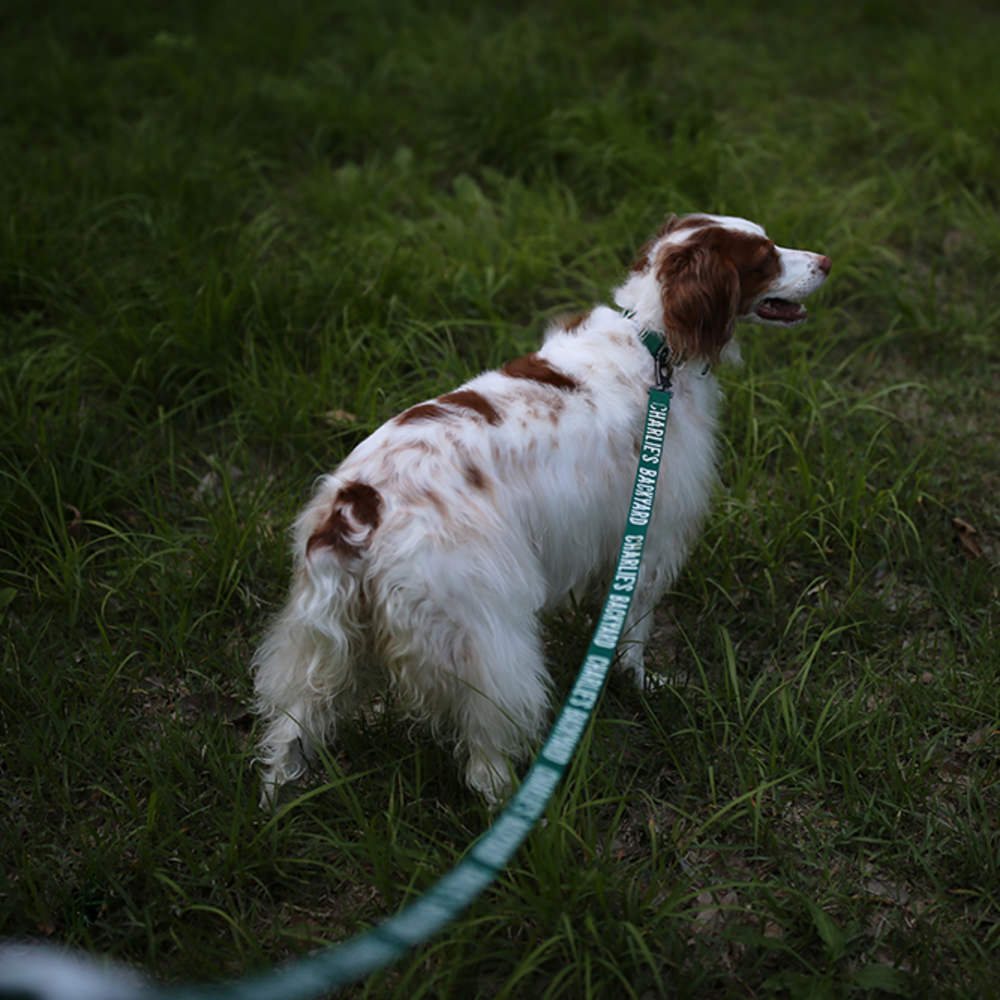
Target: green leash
(314, 975)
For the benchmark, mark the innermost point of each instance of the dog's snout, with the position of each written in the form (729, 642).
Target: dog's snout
(824, 263)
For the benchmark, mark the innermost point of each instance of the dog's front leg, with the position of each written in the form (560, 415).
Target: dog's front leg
(632, 645)
(655, 576)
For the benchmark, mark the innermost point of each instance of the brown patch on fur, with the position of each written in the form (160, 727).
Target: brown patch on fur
(537, 369)
(469, 399)
(365, 500)
(757, 261)
(435, 499)
(365, 503)
(573, 321)
(422, 411)
(707, 282)
(474, 476)
(331, 534)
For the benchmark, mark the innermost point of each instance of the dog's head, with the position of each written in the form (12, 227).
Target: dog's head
(702, 273)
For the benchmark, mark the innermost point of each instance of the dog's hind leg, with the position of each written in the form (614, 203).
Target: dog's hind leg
(499, 717)
(483, 678)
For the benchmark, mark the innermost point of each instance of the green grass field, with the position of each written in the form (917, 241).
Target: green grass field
(237, 237)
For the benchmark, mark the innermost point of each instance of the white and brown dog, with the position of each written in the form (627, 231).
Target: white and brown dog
(432, 549)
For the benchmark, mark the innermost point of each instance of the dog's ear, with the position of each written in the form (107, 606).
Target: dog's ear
(700, 291)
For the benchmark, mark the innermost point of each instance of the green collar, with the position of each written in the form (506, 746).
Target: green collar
(657, 345)
(652, 340)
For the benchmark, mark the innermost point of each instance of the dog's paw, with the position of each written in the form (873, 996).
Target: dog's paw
(655, 682)
(287, 765)
(490, 776)
(630, 662)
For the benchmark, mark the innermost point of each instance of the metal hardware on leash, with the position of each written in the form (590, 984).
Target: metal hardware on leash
(664, 369)
(38, 972)
(663, 356)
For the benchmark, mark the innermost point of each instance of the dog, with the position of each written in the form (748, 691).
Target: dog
(430, 552)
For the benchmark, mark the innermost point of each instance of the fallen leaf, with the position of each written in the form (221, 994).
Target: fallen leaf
(339, 417)
(966, 534)
(980, 736)
(75, 527)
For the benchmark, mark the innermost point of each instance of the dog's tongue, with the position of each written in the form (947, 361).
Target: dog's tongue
(781, 310)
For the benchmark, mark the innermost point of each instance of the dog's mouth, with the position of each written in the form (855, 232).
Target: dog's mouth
(783, 311)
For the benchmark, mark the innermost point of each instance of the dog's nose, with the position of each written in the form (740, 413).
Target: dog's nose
(824, 263)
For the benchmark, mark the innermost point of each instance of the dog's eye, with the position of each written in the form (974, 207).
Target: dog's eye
(764, 264)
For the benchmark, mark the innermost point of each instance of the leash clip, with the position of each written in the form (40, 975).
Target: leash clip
(663, 356)
(664, 368)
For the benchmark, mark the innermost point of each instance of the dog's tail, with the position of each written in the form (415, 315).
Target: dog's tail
(341, 527)
(306, 662)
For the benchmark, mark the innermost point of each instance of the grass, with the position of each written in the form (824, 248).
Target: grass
(236, 238)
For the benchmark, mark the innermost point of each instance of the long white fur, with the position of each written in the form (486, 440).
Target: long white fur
(444, 595)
